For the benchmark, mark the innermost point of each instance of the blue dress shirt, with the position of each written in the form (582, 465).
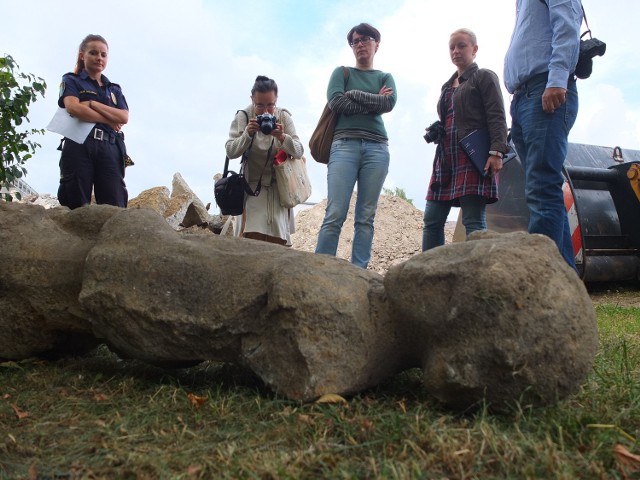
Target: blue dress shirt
(546, 38)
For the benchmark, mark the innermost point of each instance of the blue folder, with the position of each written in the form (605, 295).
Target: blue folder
(476, 145)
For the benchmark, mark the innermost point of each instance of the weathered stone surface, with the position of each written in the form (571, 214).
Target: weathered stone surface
(42, 258)
(181, 208)
(156, 199)
(306, 324)
(499, 317)
(195, 212)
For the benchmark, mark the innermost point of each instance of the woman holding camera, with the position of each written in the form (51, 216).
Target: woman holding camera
(471, 99)
(360, 151)
(261, 130)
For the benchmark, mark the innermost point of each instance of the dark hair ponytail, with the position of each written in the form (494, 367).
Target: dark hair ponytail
(264, 84)
(83, 46)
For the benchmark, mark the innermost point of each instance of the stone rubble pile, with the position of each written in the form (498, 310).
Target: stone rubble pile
(397, 237)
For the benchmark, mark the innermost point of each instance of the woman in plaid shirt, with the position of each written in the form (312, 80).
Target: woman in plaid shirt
(471, 99)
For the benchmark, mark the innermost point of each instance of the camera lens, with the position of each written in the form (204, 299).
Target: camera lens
(434, 132)
(266, 128)
(266, 122)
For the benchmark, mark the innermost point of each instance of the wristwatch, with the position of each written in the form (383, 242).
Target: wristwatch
(495, 153)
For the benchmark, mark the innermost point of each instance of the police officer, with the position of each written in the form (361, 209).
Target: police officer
(98, 164)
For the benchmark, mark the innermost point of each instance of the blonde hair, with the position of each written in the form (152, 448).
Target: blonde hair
(469, 33)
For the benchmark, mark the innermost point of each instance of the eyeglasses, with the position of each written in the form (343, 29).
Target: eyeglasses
(262, 106)
(362, 40)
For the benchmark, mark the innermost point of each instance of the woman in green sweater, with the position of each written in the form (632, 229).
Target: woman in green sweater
(360, 151)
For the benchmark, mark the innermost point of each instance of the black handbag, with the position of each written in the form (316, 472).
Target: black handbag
(229, 191)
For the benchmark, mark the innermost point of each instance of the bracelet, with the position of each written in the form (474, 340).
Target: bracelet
(495, 153)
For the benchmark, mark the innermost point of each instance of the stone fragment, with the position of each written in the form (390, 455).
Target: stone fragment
(42, 256)
(306, 324)
(499, 318)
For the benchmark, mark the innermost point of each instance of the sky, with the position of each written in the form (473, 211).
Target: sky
(187, 66)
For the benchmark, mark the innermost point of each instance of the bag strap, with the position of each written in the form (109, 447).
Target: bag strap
(245, 159)
(345, 71)
(226, 167)
(247, 188)
(244, 155)
(281, 121)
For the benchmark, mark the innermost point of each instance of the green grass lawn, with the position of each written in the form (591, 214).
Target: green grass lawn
(100, 417)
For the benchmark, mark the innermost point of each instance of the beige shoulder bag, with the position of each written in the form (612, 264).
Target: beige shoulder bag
(294, 186)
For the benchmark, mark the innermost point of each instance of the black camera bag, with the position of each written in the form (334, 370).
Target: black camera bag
(588, 49)
(231, 188)
(229, 191)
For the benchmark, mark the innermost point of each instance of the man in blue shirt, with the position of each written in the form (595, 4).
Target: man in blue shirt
(539, 71)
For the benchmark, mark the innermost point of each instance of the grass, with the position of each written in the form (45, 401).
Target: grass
(100, 417)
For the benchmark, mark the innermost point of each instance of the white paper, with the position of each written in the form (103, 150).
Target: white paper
(69, 127)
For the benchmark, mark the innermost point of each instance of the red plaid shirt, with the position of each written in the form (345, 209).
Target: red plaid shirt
(453, 175)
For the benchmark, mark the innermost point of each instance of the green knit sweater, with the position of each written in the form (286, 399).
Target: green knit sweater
(359, 104)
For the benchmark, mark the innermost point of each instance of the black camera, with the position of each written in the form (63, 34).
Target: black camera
(588, 49)
(435, 132)
(266, 122)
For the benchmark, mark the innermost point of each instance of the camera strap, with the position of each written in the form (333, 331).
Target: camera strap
(584, 15)
(256, 192)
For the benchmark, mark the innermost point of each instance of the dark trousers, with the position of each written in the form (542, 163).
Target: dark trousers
(95, 165)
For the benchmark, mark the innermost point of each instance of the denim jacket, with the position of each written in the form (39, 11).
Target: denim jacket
(477, 102)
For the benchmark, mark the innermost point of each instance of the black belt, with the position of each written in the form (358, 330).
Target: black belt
(524, 86)
(103, 135)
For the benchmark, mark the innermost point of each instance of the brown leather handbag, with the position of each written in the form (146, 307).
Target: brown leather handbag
(322, 136)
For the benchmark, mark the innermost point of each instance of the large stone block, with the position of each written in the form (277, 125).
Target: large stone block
(499, 318)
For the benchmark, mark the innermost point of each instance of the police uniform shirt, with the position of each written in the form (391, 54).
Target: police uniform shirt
(85, 88)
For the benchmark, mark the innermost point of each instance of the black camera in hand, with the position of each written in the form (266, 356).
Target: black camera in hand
(435, 132)
(588, 49)
(266, 122)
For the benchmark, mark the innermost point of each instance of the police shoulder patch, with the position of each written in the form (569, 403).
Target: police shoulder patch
(113, 98)
(62, 86)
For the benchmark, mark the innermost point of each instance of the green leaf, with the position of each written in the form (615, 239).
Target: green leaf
(18, 90)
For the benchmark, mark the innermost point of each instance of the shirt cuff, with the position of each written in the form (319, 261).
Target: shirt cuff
(558, 79)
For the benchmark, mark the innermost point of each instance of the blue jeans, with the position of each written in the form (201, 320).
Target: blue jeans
(472, 208)
(541, 141)
(353, 160)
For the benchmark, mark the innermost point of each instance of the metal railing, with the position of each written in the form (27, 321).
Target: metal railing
(19, 185)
